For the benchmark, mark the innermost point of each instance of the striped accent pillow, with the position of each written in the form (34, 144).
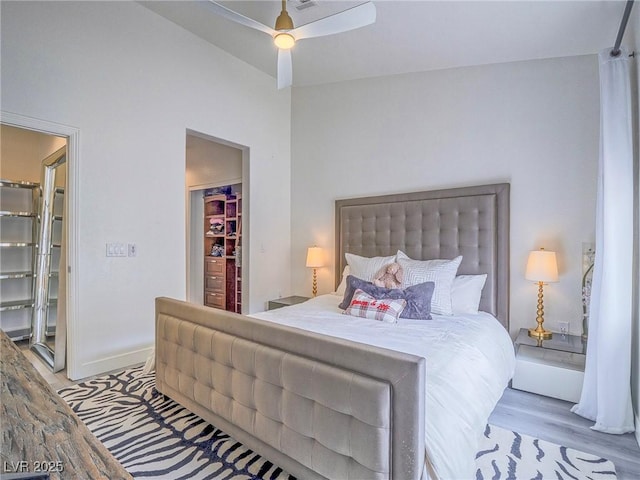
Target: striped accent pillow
(384, 309)
(440, 272)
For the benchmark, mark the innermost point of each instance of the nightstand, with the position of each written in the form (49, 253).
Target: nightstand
(553, 367)
(286, 302)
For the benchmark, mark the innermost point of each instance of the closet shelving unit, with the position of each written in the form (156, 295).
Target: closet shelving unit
(233, 229)
(238, 257)
(214, 261)
(18, 246)
(223, 230)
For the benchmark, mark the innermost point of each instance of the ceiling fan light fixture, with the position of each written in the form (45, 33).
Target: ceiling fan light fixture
(285, 36)
(284, 41)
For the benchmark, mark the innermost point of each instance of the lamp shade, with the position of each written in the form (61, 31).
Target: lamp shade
(314, 257)
(542, 266)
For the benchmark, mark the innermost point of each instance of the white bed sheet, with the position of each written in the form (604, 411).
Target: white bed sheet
(470, 360)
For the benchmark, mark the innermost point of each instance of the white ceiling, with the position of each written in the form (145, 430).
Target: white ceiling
(409, 36)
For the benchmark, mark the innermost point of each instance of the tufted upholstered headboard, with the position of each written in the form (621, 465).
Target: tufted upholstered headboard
(469, 221)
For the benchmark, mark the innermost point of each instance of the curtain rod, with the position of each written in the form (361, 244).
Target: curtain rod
(623, 25)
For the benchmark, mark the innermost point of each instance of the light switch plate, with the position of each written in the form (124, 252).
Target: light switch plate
(116, 250)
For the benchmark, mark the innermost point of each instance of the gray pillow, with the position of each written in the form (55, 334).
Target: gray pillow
(418, 296)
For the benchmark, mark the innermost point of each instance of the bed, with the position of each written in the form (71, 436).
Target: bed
(341, 405)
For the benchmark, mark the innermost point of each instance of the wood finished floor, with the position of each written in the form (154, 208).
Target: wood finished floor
(541, 417)
(551, 420)
(56, 380)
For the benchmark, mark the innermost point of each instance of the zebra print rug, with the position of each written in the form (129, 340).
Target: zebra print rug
(511, 455)
(154, 437)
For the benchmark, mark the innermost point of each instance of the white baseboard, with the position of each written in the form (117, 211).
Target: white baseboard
(109, 364)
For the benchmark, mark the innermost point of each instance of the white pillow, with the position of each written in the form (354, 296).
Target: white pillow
(343, 283)
(365, 268)
(440, 272)
(465, 293)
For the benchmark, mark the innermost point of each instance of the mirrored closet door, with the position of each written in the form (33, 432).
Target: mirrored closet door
(48, 334)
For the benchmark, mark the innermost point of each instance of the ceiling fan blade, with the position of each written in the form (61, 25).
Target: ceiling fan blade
(285, 69)
(356, 17)
(238, 18)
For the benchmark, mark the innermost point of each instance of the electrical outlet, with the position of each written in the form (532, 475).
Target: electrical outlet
(564, 327)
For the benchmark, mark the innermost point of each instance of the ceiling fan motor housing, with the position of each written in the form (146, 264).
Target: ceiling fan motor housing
(284, 22)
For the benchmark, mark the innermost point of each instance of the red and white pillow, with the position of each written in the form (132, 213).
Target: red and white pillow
(384, 310)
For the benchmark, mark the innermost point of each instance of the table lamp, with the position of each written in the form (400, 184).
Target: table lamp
(314, 260)
(542, 268)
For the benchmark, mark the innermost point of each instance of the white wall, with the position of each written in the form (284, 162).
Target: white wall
(533, 124)
(133, 83)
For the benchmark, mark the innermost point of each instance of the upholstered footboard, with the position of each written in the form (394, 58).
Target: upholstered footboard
(318, 406)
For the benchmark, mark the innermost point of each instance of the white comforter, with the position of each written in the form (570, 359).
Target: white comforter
(470, 359)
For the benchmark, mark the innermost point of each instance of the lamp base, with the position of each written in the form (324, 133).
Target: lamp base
(540, 333)
(314, 289)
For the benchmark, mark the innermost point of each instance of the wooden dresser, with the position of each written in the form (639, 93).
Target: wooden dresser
(40, 432)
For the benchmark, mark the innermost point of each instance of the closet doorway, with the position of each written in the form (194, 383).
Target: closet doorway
(217, 216)
(35, 223)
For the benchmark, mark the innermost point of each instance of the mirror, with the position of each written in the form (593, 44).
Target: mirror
(48, 326)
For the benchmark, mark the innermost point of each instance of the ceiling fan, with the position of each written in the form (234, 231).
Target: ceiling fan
(285, 35)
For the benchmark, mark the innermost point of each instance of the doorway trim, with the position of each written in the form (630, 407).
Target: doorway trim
(73, 175)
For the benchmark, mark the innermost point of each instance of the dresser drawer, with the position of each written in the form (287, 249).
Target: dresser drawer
(215, 282)
(214, 266)
(214, 299)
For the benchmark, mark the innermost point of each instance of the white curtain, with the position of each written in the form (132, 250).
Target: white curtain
(606, 391)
